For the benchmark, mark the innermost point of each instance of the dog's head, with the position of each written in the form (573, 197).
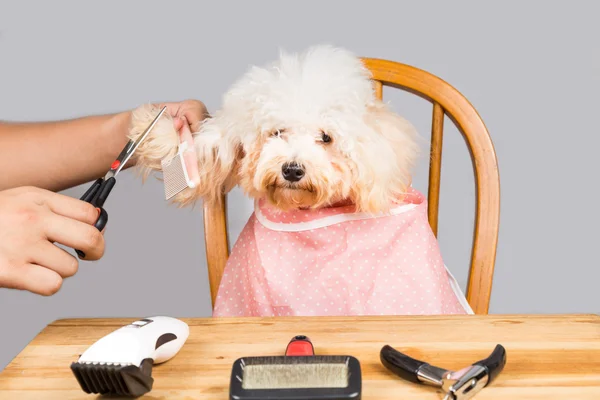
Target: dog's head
(307, 132)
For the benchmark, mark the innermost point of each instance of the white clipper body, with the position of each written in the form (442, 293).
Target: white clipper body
(121, 362)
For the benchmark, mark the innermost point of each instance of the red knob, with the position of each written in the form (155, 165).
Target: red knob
(300, 346)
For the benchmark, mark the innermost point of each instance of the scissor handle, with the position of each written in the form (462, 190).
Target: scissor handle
(494, 363)
(100, 224)
(103, 191)
(97, 195)
(91, 192)
(401, 364)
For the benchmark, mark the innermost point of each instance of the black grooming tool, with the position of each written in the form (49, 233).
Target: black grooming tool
(298, 375)
(458, 385)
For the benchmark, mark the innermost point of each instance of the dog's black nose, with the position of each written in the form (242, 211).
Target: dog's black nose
(292, 172)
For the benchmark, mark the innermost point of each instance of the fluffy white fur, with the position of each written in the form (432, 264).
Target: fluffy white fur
(280, 113)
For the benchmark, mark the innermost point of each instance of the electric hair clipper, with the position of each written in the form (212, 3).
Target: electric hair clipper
(121, 362)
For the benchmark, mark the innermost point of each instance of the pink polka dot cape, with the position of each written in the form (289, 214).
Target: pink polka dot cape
(338, 262)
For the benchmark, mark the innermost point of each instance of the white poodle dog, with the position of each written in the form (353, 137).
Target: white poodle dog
(337, 228)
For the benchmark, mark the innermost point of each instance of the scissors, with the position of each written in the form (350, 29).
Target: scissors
(97, 194)
(457, 385)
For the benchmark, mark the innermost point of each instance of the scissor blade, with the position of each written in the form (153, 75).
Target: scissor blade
(132, 146)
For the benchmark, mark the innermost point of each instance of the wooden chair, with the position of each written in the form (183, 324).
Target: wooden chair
(446, 100)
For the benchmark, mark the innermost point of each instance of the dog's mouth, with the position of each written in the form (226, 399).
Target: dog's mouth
(288, 195)
(290, 186)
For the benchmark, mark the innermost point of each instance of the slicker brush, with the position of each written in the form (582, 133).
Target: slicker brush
(298, 375)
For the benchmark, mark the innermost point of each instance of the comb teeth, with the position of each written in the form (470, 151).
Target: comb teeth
(114, 379)
(174, 175)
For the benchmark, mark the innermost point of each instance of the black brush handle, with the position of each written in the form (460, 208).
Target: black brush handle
(400, 364)
(494, 363)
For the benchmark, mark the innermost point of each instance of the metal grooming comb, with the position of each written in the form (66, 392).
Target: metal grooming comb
(175, 176)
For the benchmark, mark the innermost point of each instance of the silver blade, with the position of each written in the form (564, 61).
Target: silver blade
(131, 147)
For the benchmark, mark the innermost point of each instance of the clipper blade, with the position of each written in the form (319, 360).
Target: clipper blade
(114, 379)
(175, 176)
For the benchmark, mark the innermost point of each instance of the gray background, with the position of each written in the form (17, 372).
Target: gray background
(532, 70)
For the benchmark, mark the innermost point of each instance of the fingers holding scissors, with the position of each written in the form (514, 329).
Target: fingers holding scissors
(71, 208)
(78, 235)
(33, 222)
(70, 222)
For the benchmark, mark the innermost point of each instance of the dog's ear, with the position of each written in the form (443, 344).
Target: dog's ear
(386, 152)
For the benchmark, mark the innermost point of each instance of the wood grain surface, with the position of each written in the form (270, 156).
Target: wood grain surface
(548, 357)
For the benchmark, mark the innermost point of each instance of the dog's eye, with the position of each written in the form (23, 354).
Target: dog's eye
(277, 132)
(325, 137)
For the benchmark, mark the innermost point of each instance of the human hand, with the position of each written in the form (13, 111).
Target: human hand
(187, 118)
(190, 112)
(31, 221)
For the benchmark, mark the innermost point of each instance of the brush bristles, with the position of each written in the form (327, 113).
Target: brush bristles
(295, 376)
(295, 372)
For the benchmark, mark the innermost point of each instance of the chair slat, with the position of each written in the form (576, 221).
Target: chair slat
(378, 89)
(216, 243)
(435, 166)
(487, 179)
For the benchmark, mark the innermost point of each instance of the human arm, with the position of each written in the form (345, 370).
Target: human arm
(40, 158)
(61, 154)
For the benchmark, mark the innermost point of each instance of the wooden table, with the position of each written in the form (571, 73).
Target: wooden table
(548, 357)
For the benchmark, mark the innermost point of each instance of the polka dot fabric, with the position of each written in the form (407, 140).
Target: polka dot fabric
(337, 262)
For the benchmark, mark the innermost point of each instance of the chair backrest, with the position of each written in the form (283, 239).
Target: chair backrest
(446, 101)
